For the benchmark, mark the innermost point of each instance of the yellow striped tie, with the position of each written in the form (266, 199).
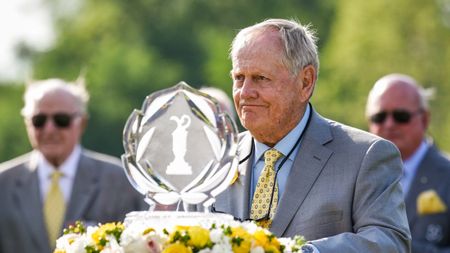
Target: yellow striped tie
(54, 209)
(263, 191)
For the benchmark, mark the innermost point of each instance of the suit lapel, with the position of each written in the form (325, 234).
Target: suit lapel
(308, 164)
(235, 199)
(27, 194)
(85, 188)
(245, 175)
(419, 184)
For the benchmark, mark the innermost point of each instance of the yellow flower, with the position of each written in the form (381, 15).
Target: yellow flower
(244, 247)
(181, 228)
(177, 248)
(235, 177)
(59, 251)
(148, 230)
(99, 236)
(240, 240)
(240, 231)
(199, 237)
(272, 248)
(268, 241)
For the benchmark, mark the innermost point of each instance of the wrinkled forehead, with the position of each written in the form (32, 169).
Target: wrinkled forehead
(267, 38)
(259, 49)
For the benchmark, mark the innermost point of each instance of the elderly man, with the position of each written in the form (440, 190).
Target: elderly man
(299, 173)
(397, 109)
(59, 182)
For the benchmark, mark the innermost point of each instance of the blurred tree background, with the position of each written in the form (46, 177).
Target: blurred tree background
(129, 49)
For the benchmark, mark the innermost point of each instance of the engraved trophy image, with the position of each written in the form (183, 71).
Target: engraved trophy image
(180, 148)
(179, 166)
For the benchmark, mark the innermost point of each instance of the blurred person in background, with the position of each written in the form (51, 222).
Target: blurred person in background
(398, 110)
(59, 182)
(224, 100)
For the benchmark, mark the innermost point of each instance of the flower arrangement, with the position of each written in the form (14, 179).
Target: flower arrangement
(235, 237)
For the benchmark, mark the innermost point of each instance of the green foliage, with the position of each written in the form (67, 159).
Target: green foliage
(375, 38)
(12, 129)
(129, 49)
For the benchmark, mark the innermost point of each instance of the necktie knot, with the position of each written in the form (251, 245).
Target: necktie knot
(271, 156)
(55, 176)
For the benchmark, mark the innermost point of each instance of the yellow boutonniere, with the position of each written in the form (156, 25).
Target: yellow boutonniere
(236, 176)
(429, 202)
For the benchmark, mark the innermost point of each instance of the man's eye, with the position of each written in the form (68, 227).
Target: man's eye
(261, 78)
(238, 78)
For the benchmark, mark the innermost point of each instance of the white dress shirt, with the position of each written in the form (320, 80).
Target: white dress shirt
(68, 169)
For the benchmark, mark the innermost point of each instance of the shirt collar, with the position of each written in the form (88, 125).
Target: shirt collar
(413, 162)
(285, 145)
(68, 167)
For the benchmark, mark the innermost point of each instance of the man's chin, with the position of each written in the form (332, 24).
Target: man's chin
(250, 126)
(250, 122)
(50, 152)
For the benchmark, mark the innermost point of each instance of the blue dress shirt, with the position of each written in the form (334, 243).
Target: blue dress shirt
(410, 166)
(284, 146)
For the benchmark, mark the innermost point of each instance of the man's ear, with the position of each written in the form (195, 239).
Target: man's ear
(426, 119)
(84, 122)
(308, 80)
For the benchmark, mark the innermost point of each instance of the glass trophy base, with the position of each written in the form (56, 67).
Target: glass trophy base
(160, 220)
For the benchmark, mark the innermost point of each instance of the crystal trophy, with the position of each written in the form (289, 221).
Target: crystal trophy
(180, 147)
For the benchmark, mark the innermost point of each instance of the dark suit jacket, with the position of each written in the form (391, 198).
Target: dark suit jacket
(101, 193)
(343, 186)
(430, 233)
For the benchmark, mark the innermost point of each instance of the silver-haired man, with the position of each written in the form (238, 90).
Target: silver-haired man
(59, 182)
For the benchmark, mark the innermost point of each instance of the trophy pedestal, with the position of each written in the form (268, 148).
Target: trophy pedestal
(160, 220)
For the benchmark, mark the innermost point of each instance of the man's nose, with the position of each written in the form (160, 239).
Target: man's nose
(389, 121)
(49, 125)
(248, 89)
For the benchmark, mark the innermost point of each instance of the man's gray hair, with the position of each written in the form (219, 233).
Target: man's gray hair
(36, 90)
(300, 49)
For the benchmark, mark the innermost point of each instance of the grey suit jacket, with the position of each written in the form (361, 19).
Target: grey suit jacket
(101, 193)
(430, 233)
(343, 186)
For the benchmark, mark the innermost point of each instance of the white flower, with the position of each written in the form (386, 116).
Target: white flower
(138, 237)
(217, 236)
(250, 226)
(222, 248)
(258, 249)
(73, 243)
(113, 247)
(135, 239)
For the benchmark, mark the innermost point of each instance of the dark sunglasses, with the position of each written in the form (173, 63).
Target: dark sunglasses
(399, 116)
(61, 120)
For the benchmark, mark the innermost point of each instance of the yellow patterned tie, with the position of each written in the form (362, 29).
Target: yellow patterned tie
(54, 209)
(263, 192)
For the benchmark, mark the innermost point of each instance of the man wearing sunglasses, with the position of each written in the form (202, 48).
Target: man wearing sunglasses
(59, 182)
(397, 110)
